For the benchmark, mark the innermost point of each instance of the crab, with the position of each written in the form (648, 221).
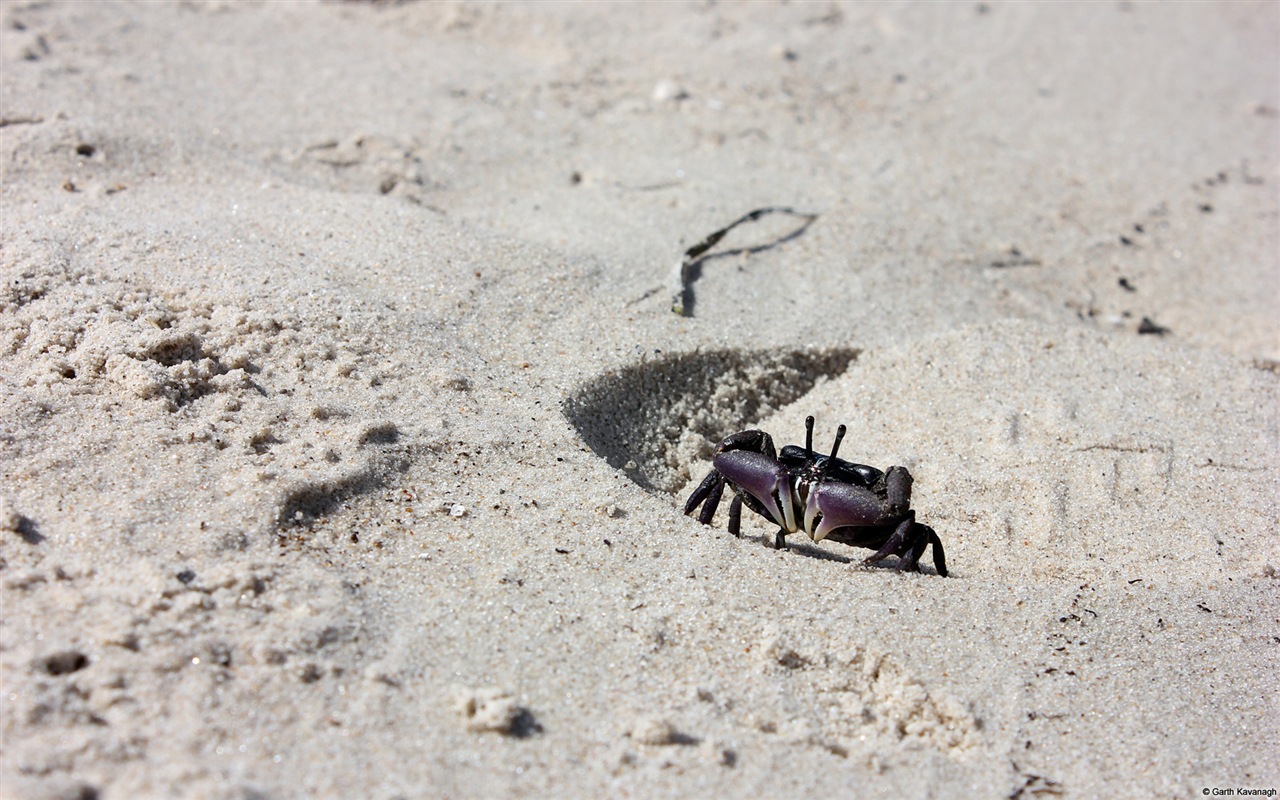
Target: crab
(824, 496)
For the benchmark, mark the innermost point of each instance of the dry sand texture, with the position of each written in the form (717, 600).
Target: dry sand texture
(345, 424)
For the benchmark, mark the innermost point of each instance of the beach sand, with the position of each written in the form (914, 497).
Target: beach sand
(346, 425)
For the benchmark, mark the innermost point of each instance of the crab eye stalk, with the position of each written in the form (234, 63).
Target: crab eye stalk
(839, 437)
(808, 436)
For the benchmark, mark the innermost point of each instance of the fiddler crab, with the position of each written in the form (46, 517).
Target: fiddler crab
(824, 496)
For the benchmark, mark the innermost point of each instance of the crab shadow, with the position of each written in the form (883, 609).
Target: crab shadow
(888, 565)
(809, 550)
(800, 548)
(813, 551)
(651, 419)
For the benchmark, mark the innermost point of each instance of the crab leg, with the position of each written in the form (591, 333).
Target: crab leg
(939, 558)
(713, 502)
(896, 543)
(735, 516)
(712, 482)
(911, 559)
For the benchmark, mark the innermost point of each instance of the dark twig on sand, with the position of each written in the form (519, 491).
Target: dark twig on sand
(683, 272)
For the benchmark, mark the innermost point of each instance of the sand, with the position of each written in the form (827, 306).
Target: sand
(345, 422)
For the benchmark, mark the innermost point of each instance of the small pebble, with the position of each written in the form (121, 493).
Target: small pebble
(653, 731)
(668, 90)
(10, 519)
(488, 709)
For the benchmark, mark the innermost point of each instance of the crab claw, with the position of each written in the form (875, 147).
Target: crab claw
(841, 505)
(764, 479)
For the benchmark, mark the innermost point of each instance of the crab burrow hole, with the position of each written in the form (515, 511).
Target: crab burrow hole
(657, 419)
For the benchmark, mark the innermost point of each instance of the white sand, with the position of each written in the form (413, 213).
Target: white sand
(345, 426)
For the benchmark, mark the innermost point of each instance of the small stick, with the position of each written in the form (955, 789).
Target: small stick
(679, 280)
